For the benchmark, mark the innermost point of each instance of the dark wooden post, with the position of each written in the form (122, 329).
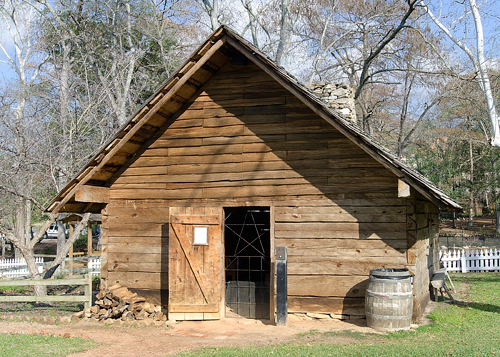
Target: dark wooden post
(89, 239)
(70, 253)
(281, 286)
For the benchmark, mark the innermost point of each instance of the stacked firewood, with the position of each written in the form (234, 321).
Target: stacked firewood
(117, 302)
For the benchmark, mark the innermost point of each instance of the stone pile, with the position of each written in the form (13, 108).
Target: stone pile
(338, 96)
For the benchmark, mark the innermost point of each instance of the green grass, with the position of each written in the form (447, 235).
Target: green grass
(469, 328)
(40, 346)
(15, 289)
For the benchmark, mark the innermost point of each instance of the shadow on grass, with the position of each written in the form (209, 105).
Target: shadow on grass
(475, 279)
(490, 278)
(475, 305)
(354, 334)
(479, 306)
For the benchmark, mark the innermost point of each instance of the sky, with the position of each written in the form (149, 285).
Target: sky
(490, 10)
(24, 18)
(5, 71)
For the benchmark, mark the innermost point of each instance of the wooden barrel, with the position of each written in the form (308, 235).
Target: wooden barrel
(389, 300)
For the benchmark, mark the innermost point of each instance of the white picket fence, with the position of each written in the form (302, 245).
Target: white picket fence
(13, 268)
(94, 266)
(473, 260)
(18, 267)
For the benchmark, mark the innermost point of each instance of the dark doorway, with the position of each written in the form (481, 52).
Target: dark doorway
(247, 260)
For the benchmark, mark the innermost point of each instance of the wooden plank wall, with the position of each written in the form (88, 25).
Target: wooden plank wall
(423, 256)
(333, 246)
(135, 245)
(243, 140)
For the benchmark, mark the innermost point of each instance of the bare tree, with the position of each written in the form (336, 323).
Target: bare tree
(27, 249)
(290, 14)
(110, 47)
(272, 23)
(476, 56)
(421, 88)
(358, 42)
(55, 116)
(212, 10)
(20, 21)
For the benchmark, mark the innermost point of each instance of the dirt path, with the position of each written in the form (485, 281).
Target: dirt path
(123, 340)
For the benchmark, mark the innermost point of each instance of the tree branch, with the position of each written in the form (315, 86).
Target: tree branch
(387, 39)
(69, 242)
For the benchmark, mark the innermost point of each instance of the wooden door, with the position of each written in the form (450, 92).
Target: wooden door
(195, 276)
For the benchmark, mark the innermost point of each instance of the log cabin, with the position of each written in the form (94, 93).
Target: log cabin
(233, 157)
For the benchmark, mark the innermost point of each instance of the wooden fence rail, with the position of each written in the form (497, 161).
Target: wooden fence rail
(473, 260)
(86, 298)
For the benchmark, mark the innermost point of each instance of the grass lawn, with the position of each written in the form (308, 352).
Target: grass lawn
(469, 328)
(40, 346)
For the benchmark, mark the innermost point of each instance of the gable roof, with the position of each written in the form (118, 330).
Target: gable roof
(148, 121)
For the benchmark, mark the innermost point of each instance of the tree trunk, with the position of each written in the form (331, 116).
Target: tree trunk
(253, 22)
(27, 228)
(67, 245)
(61, 237)
(19, 226)
(497, 223)
(29, 256)
(286, 27)
(99, 240)
(496, 192)
(214, 15)
(470, 224)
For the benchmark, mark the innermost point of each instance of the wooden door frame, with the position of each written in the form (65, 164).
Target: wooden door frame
(223, 263)
(272, 256)
(272, 278)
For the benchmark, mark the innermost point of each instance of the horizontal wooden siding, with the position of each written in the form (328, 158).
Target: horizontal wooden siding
(244, 140)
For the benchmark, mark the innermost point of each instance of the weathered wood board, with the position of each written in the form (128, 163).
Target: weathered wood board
(195, 270)
(243, 140)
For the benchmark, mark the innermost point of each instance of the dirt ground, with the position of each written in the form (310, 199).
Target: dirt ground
(118, 339)
(482, 225)
(115, 339)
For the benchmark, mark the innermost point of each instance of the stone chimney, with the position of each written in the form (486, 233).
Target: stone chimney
(338, 96)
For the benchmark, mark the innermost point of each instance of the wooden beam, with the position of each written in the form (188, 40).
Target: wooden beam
(172, 307)
(70, 253)
(200, 220)
(93, 194)
(281, 286)
(89, 239)
(179, 83)
(403, 189)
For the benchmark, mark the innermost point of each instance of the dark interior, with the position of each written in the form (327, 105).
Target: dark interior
(247, 260)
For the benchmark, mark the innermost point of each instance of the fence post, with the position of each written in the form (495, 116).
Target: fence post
(88, 290)
(281, 286)
(496, 260)
(463, 262)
